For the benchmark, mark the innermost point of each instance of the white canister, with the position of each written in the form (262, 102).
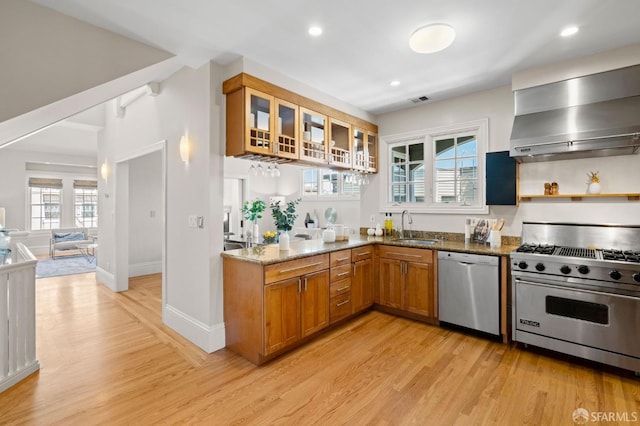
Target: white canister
(347, 231)
(339, 229)
(329, 235)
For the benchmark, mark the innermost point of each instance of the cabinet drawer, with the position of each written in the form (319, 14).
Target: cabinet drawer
(340, 307)
(340, 272)
(341, 257)
(340, 287)
(361, 253)
(295, 268)
(406, 253)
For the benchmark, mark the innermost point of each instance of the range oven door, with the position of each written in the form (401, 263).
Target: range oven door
(599, 320)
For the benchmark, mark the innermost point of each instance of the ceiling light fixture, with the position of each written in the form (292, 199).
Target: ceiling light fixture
(315, 31)
(432, 38)
(394, 83)
(569, 31)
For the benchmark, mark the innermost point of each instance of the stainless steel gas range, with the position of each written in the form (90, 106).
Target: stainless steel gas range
(576, 290)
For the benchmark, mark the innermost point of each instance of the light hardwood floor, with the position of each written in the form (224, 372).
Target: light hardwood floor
(107, 358)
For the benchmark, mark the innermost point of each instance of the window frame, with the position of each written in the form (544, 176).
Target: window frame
(340, 195)
(42, 218)
(92, 193)
(428, 136)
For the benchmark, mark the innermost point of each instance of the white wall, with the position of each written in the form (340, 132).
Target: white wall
(145, 214)
(495, 104)
(13, 192)
(186, 104)
(619, 174)
(59, 56)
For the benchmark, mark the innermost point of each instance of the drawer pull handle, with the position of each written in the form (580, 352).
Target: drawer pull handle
(284, 271)
(364, 253)
(342, 288)
(340, 259)
(343, 273)
(342, 303)
(403, 254)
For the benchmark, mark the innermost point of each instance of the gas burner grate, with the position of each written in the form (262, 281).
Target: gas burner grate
(577, 252)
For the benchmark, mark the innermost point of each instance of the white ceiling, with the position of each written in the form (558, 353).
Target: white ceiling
(365, 42)
(363, 48)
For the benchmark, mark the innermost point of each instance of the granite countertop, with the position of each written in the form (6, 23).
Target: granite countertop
(270, 254)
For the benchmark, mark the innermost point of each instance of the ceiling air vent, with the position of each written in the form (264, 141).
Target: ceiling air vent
(419, 99)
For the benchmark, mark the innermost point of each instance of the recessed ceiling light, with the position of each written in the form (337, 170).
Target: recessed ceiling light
(315, 31)
(569, 31)
(394, 83)
(432, 38)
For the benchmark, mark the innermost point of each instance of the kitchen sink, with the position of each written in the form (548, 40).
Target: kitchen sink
(416, 241)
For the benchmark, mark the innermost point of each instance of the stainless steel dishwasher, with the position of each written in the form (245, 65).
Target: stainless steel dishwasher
(469, 291)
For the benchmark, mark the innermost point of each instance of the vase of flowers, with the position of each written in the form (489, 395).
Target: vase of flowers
(252, 211)
(284, 218)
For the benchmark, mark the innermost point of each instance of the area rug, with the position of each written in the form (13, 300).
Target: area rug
(64, 265)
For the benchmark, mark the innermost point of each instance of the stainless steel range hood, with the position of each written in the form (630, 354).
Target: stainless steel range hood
(592, 116)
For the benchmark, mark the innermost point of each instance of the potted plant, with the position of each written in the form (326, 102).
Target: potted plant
(284, 219)
(252, 210)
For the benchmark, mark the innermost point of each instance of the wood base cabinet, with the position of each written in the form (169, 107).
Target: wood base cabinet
(268, 309)
(362, 279)
(406, 281)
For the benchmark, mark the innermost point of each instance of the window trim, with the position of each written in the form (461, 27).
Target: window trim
(427, 136)
(320, 196)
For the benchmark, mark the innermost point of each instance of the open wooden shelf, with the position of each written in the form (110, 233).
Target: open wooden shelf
(579, 197)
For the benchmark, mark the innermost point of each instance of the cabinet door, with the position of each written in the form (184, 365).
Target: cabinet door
(362, 285)
(287, 130)
(391, 283)
(259, 122)
(501, 179)
(419, 291)
(359, 149)
(314, 302)
(313, 136)
(281, 314)
(371, 153)
(340, 145)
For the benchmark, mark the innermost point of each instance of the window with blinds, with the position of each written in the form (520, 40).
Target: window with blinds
(45, 203)
(85, 195)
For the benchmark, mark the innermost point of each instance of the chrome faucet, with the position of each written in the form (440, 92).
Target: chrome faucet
(401, 232)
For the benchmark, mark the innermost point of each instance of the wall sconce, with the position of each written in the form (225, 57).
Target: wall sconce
(185, 148)
(104, 170)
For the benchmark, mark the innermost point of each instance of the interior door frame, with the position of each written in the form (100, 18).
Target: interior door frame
(122, 216)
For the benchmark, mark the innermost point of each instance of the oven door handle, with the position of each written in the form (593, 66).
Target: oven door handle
(559, 287)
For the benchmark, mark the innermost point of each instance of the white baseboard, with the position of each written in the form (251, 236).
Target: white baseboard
(106, 278)
(7, 382)
(145, 268)
(208, 338)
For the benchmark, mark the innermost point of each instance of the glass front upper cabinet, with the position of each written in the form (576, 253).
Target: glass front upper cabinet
(365, 150)
(287, 129)
(313, 136)
(340, 146)
(259, 122)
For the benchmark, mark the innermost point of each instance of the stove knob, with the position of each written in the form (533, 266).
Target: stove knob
(583, 269)
(636, 277)
(539, 267)
(565, 269)
(523, 265)
(615, 275)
